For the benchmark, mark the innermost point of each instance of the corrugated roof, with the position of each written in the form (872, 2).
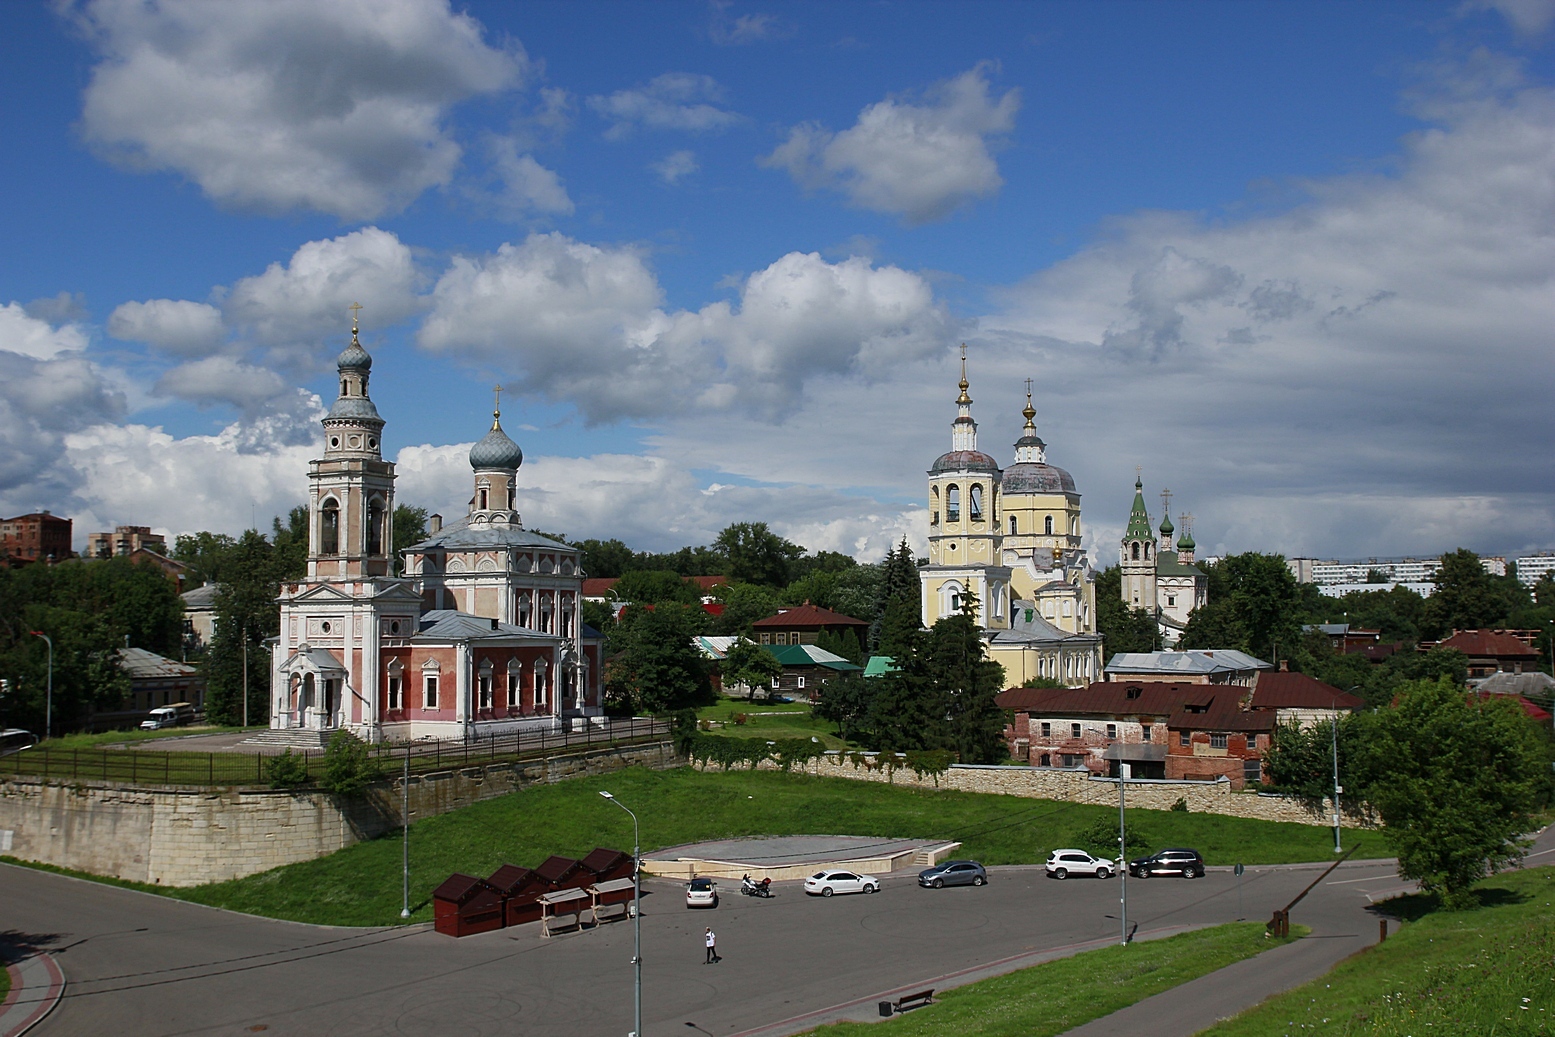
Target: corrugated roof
(808, 615)
(450, 625)
(1219, 660)
(1168, 564)
(879, 665)
(1535, 683)
(1494, 643)
(1281, 690)
(1114, 698)
(143, 665)
(201, 597)
(1223, 720)
(809, 655)
(1031, 628)
(459, 536)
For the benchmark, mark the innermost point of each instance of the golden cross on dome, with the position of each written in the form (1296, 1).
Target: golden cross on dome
(355, 308)
(1166, 501)
(496, 407)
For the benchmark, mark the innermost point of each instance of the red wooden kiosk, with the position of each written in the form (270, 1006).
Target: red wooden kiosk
(520, 889)
(606, 864)
(559, 872)
(465, 905)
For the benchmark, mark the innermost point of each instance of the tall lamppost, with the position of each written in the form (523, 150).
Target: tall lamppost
(1122, 856)
(48, 708)
(637, 921)
(405, 838)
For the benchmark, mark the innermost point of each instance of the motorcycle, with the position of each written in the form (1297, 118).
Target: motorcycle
(756, 889)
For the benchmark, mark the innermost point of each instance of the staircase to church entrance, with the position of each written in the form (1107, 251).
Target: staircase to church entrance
(291, 738)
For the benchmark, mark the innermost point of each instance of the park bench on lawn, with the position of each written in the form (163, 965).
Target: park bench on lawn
(921, 998)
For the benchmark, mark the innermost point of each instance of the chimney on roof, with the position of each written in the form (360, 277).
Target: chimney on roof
(434, 523)
(1284, 665)
(493, 624)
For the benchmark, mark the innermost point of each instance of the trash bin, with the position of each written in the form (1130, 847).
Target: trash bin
(885, 1009)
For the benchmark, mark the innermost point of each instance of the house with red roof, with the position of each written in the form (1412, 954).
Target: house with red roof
(802, 624)
(1300, 699)
(1493, 651)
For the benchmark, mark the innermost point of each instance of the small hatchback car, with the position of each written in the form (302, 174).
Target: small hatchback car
(1063, 863)
(825, 883)
(1186, 863)
(701, 893)
(953, 873)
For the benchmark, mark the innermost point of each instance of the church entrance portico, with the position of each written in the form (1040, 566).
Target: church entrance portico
(313, 679)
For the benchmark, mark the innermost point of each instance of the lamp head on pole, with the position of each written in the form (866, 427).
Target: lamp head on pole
(607, 795)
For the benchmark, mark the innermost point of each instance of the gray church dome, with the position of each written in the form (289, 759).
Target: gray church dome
(1036, 477)
(496, 450)
(354, 358)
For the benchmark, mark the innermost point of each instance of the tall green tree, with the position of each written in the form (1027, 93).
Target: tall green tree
(743, 604)
(1123, 628)
(1466, 597)
(654, 667)
(1458, 782)
(747, 663)
(291, 544)
(1254, 605)
(845, 644)
(845, 701)
(898, 613)
(756, 554)
(410, 527)
(246, 614)
(651, 586)
(605, 559)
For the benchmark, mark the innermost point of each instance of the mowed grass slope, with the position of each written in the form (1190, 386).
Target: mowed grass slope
(1059, 995)
(361, 885)
(1488, 971)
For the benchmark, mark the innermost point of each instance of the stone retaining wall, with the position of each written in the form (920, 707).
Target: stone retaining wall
(179, 836)
(1077, 786)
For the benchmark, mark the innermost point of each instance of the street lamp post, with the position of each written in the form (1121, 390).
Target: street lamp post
(1337, 788)
(637, 921)
(405, 838)
(1122, 857)
(48, 708)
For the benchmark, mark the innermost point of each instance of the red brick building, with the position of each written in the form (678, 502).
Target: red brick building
(39, 537)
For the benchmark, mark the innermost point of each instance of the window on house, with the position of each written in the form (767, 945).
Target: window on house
(541, 676)
(953, 504)
(1144, 733)
(975, 501)
(1047, 730)
(485, 691)
(329, 528)
(429, 692)
(1074, 730)
(766, 638)
(395, 693)
(799, 683)
(514, 694)
(782, 638)
(1047, 761)
(1184, 738)
(1112, 730)
(1171, 599)
(1217, 741)
(1047, 524)
(1252, 770)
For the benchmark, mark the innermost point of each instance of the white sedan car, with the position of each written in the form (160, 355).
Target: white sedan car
(701, 893)
(825, 883)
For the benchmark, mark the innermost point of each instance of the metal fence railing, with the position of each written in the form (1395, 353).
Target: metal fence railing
(248, 768)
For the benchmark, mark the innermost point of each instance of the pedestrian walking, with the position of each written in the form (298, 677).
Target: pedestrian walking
(712, 947)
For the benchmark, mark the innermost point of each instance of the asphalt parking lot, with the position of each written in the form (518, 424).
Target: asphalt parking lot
(137, 964)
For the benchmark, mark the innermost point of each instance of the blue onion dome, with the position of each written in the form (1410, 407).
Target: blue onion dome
(354, 358)
(496, 450)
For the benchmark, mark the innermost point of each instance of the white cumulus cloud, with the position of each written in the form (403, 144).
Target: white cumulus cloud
(32, 337)
(527, 186)
(177, 326)
(675, 167)
(584, 323)
(920, 161)
(338, 107)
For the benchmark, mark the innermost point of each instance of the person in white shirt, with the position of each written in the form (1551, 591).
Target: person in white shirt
(712, 947)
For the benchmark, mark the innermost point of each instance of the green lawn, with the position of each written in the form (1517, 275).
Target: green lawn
(99, 739)
(361, 885)
(770, 720)
(1056, 996)
(1486, 971)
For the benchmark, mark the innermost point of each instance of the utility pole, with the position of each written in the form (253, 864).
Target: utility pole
(48, 707)
(637, 921)
(1122, 856)
(1337, 787)
(245, 679)
(405, 836)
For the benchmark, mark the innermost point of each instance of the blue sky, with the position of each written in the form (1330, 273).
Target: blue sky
(1292, 259)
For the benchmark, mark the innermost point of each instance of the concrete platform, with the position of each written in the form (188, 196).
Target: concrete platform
(784, 858)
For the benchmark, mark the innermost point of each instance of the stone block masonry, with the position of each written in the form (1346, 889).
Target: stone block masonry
(177, 836)
(1078, 786)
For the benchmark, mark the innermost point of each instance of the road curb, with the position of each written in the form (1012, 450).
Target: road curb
(37, 984)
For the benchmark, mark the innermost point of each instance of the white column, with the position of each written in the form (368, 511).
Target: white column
(462, 659)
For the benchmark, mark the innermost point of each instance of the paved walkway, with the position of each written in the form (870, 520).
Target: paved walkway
(36, 986)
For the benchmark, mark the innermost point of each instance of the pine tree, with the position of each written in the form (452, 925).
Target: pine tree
(896, 610)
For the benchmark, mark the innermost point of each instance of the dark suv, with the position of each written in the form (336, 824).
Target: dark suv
(1186, 863)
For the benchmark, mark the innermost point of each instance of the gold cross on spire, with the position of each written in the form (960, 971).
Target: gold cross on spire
(1166, 501)
(963, 398)
(496, 407)
(355, 308)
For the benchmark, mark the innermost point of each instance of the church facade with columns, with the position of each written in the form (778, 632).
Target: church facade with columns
(482, 635)
(1011, 539)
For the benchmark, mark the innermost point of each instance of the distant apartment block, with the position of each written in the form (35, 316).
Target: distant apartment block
(1531, 567)
(125, 540)
(1336, 578)
(33, 538)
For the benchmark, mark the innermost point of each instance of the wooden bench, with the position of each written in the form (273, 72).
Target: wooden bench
(922, 997)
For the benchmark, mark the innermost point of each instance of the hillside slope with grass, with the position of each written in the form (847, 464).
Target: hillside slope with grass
(361, 885)
(1487, 971)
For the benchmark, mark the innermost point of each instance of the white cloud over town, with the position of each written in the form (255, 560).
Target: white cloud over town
(920, 161)
(288, 104)
(683, 101)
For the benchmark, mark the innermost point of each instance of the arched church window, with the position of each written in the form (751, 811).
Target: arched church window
(953, 503)
(329, 527)
(1012, 525)
(1147, 549)
(975, 501)
(342, 386)
(1135, 551)
(1047, 525)
(375, 526)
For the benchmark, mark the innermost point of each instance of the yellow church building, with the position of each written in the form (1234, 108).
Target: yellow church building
(1011, 538)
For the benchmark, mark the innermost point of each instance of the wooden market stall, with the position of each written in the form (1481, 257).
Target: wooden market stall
(465, 905)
